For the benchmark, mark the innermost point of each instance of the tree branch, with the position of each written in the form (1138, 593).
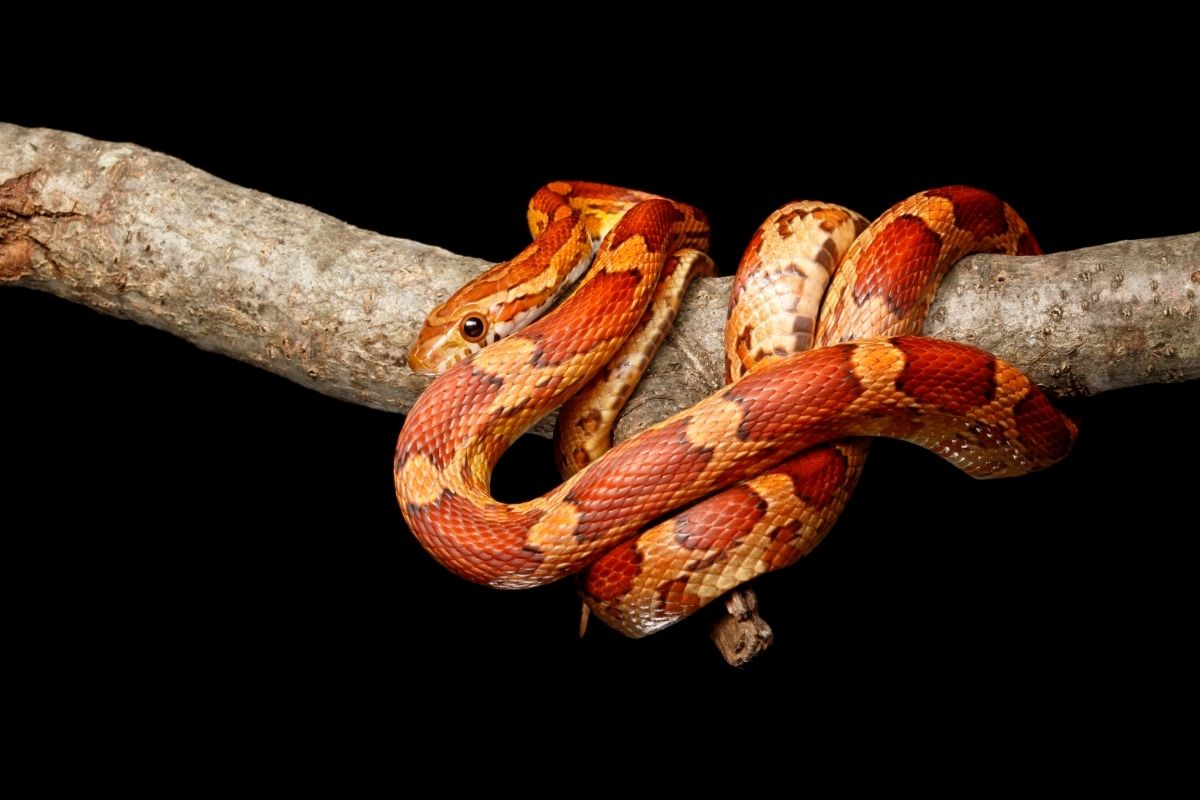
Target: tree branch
(144, 236)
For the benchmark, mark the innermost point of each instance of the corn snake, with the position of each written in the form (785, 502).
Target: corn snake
(962, 403)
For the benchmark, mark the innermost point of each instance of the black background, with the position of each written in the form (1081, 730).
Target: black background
(210, 542)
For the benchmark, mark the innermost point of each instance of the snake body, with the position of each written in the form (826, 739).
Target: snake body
(961, 403)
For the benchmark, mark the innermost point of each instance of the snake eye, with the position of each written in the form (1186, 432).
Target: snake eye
(473, 329)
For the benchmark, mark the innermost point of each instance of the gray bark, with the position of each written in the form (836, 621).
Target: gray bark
(144, 236)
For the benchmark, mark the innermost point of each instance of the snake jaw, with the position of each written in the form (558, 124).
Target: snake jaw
(436, 351)
(444, 340)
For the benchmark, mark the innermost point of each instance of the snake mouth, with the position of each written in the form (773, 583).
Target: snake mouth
(439, 364)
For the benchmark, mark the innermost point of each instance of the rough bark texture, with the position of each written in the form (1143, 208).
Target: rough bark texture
(144, 236)
(740, 634)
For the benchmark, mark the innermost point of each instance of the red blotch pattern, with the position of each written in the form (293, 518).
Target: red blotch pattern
(612, 576)
(654, 221)
(716, 523)
(957, 379)
(977, 211)
(1047, 432)
(897, 264)
(816, 474)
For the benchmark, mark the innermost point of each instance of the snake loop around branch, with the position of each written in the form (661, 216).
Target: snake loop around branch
(756, 473)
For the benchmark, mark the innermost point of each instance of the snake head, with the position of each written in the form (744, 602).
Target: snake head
(484, 311)
(454, 331)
